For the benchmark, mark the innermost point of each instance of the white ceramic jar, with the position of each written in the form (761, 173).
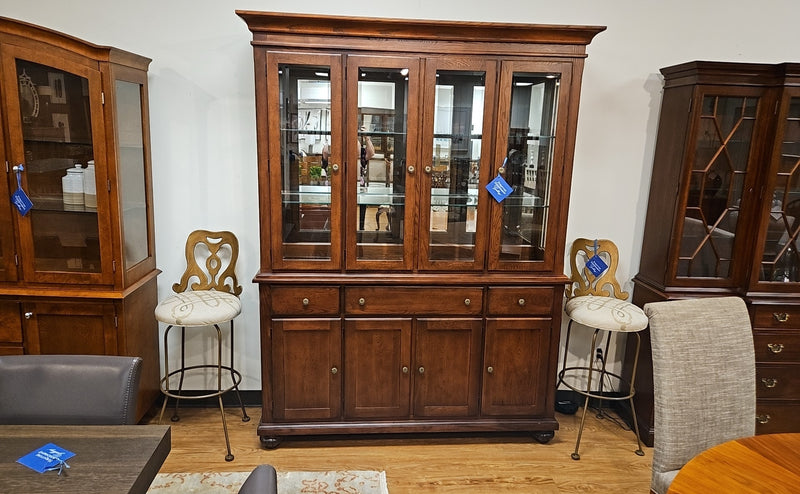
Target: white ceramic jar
(89, 186)
(72, 186)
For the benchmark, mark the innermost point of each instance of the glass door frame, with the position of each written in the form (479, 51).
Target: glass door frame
(8, 267)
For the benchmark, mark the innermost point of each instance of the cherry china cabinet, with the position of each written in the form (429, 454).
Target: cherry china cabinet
(77, 259)
(724, 218)
(396, 293)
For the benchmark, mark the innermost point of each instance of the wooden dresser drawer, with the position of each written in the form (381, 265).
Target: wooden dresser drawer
(413, 301)
(776, 416)
(777, 346)
(778, 381)
(776, 316)
(520, 301)
(305, 301)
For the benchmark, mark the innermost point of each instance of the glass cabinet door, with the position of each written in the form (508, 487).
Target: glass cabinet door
(304, 98)
(529, 159)
(8, 269)
(779, 259)
(381, 161)
(57, 132)
(460, 96)
(717, 176)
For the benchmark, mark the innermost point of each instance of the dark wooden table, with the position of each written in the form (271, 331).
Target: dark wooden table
(766, 463)
(108, 459)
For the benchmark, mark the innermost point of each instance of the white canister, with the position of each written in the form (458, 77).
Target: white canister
(72, 186)
(89, 186)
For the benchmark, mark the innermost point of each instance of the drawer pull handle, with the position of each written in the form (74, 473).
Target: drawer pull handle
(305, 302)
(405, 369)
(467, 301)
(28, 315)
(769, 382)
(490, 369)
(521, 302)
(763, 418)
(775, 347)
(780, 316)
(334, 370)
(362, 301)
(421, 370)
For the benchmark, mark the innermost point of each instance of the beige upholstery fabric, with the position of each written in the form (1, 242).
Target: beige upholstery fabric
(608, 313)
(703, 379)
(198, 308)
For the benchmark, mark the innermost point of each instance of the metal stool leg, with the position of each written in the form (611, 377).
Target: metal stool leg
(576, 455)
(633, 392)
(166, 373)
(245, 418)
(229, 456)
(175, 417)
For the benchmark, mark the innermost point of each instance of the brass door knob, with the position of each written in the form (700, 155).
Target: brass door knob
(410, 168)
(28, 315)
(305, 302)
(490, 370)
(334, 370)
(521, 302)
(405, 369)
(428, 169)
(421, 370)
(335, 167)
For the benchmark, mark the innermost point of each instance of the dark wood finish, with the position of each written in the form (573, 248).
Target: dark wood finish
(774, 306)
(107, 310)
(107, 458)
(766, 463)
(353, 342)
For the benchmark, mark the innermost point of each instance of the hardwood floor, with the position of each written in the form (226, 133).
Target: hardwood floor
(427, 464)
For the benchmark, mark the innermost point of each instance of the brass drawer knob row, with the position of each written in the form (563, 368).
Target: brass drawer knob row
(775, 347)
(769, 382)
(780, 316)
(763, 418)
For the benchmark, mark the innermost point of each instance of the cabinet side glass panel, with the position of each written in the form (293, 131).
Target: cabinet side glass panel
(716, 183)
(455, 166)
(57, 133)
(132, 171)
(528, 166)
(382, 144)
(780, 260)
(305, 140)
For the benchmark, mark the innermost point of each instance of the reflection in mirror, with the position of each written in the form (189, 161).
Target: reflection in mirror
(528, 165)
(305, 111)
(382, 144)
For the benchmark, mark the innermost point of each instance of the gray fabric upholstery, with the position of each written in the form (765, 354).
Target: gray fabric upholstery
(703, 379)
(69, 389)
(262, 480)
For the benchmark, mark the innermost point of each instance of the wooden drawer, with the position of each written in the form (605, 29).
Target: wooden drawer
(777, 346)
(776, 416)
(778, 381)
(776, 316)
(305, 300)
(520, 301)
(413, 301)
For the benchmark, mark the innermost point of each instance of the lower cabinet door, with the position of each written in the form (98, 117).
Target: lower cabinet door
(70, 328)
(306, 369)
(377, 378)
(10, 328)
(515, 367)
(446, 367)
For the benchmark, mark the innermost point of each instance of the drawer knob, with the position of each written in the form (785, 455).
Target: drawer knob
(775, 347)
(410, 168)
(28, 315)
(305, 302)
(335, 167)
(421, 370)
(334, 370)
(780, 316)
(490, 369)
(467, 301)
(428, 169)
(763, 418)
(521, 302)
(405, 369)
(769, 382)
(362, 301)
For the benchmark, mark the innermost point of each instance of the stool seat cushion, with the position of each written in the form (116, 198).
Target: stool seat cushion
(198, 308)
(607, 313)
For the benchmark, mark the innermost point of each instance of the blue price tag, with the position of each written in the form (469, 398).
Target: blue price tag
(21, 201)
(499, 188)
(48, 457)
(596, 265)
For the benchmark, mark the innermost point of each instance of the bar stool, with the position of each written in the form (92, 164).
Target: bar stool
(210, 300)
(596, 300)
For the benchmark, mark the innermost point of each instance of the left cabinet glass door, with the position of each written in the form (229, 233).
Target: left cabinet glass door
(56, 126)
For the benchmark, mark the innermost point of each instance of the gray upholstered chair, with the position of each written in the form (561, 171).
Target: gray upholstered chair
(262, 480)
(69, 389)
(704, 379)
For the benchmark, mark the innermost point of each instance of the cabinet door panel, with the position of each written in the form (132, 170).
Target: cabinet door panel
(447, 360)
(8, 268)
(10, 323)
(306, 363)
(377, 380)
(70, 328)
(514, 366)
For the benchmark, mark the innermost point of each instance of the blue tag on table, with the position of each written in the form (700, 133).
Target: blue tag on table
(48, 457)
(596, 265)
(21, 201)
(499, 188)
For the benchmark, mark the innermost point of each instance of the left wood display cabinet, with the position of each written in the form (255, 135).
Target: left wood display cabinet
(77, 263)
(397, 295)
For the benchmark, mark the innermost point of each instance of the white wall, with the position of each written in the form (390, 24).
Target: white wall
(203, 119)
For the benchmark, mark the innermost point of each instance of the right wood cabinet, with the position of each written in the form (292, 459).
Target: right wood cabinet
(723, 217)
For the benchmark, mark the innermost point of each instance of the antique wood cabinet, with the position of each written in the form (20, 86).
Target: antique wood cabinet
(397, 294)
(77, 267)
(724, 216)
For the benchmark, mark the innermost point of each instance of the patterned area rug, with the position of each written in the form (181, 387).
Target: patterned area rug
(338, 482)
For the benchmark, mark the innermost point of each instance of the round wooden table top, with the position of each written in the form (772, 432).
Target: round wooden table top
(768, 463)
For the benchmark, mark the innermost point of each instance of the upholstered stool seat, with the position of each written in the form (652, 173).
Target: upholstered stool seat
(596, 300)
(200, 308)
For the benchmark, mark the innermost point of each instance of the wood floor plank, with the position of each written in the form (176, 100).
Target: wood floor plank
(427, 464)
